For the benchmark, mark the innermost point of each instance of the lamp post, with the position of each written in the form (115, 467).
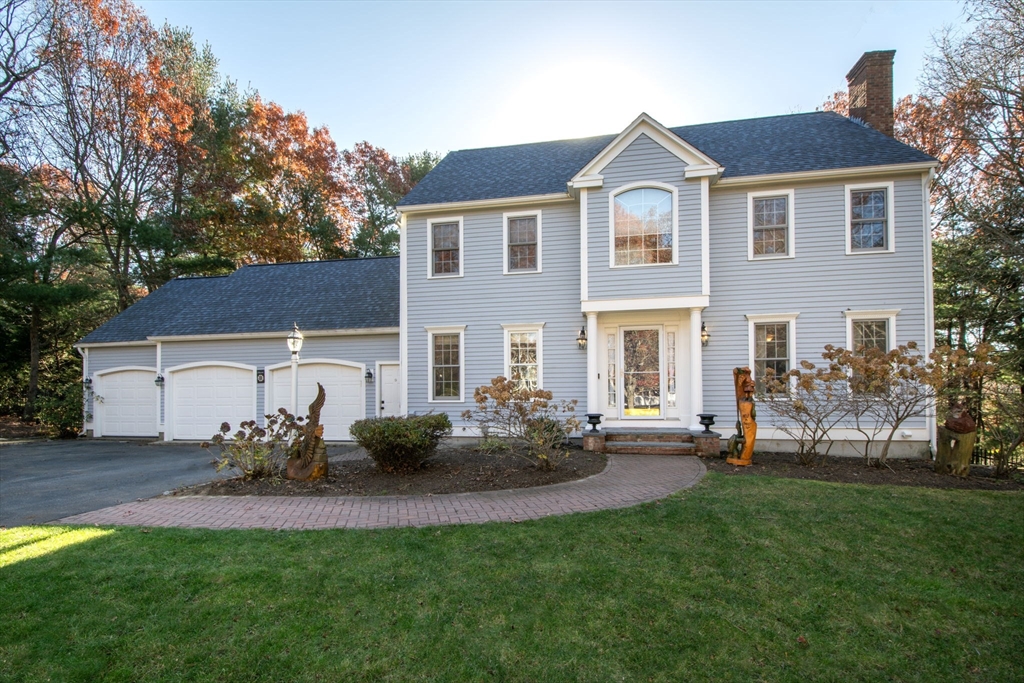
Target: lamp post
(295, 345)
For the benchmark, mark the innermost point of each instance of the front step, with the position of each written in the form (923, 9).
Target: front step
(649, 448)
(660, 436)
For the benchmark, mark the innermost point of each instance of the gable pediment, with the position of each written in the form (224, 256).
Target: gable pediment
(697, 163)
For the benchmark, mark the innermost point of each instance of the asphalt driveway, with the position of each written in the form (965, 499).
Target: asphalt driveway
(41, 481)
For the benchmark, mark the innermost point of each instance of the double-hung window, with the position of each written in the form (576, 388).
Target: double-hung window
(644, 225)
(772, 345)
(445, 252)
(873, 329)
(447, 363)
(524, 355)
(770, 230)
(869, 219)
(522, 246)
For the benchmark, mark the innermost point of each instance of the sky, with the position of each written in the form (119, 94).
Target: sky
(440, 76)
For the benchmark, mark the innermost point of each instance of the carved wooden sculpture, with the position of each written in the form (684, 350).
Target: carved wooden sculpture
(309, 461)
(741, 445)
(956, 442)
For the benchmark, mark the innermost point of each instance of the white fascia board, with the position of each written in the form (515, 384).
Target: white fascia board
(586, 181)
(486, 203)
(350, 332)
(100, 345)
(644, 124)
(827, 174)
(648, 304)
(702, 171)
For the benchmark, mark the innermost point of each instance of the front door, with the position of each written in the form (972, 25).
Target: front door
(641, 373)
(390, 389)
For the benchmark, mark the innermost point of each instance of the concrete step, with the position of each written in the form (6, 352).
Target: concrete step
(649, 448)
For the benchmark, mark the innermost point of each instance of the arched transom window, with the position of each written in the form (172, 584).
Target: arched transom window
(643, 227)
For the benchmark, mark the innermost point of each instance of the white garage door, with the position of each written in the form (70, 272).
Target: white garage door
(129, 403)
(343, 386)
(206, 396)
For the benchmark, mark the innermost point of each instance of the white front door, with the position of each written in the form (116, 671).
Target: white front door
(641, 383)
(127, 403)
(389, 388)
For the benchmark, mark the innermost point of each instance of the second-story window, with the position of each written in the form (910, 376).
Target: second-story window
(770, 225)
(869, 219)
(445, 247)
(522, 242)
(643, 222)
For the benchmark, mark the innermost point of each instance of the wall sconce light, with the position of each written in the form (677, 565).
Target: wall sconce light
(159, 381)
(369, 376)
(705, 336)
(295, 340)
(581, 339)
(87, 382)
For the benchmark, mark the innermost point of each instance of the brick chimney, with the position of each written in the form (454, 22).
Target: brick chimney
(870, 87)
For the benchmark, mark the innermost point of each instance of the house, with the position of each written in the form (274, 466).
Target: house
(671, 254)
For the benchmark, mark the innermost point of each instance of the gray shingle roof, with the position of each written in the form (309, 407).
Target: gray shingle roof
(318, 295)
(815, 141)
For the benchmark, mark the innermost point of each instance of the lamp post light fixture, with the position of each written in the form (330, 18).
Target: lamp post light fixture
(581, 339)
(705, 336)
(294, 340)
(87, 382)
(369, 376)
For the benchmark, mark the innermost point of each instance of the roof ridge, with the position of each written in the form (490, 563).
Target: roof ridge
(326, 260)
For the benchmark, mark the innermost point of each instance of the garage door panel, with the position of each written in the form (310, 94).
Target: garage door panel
(343, 386)
(129, 403)
(207, 396)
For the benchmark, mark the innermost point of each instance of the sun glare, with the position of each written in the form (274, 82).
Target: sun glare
(28, 543)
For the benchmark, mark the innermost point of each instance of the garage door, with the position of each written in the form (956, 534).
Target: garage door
(343, 385)
(129, 403)
(205, 396)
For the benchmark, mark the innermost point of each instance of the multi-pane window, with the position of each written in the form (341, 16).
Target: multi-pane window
(445, 249)
(868, 219)
(643, 227)
(771, 226)
(870, 334)
(523, 359)
(445, 354)
(522, 243)
(771, 351)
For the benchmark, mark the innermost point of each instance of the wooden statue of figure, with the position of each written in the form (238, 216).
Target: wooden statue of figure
(309, 459)
(956, 440)
(741, 445)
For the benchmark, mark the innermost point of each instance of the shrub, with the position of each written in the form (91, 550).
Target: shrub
(60, 410)
(401, 444)
(527, 418)
(259, 452)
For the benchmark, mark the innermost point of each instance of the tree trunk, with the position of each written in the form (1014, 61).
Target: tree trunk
(33, 374)
(954, 452)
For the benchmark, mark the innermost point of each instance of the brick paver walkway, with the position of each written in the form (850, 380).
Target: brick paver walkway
(628, 480)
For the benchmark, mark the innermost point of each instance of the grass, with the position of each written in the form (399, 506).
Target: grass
(739, 579)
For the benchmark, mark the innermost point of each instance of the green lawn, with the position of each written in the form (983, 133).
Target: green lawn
(739, 579)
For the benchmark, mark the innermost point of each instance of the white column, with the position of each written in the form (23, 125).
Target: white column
(593, 385)
(295, 382)
(696, 370)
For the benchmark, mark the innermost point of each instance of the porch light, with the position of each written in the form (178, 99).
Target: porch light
(581, 339)
(295, 340)
(87, 382)
(705, 336)
(159, 381)
(369, 376)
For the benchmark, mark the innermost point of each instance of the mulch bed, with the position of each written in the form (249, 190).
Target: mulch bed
(450, 470)
(13, 427)
(900, 472)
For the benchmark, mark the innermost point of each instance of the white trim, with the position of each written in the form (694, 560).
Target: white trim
(525, 327)
(446, 329)
(584, 246)
(594, 404)
(281, 334)
(645, 125)
(890, 217)
(100, 345)
(98, 389)
(888, 314)
(674, 191)
(268, 384)
(648, 304)
(583, 182)
(761, 318)
(789, 194)
(929, 287)
(705, 236)
(403, 319)
(552, 198)
(169, 389)
(827, 174)
(160, 387)
(430, 247)
(314, 361)
(696, 369)
(702, 171)
(378, 409)
(86, 399)
(504, 241)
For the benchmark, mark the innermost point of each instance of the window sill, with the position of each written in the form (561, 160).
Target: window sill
(522, 272)
(645, 265)
(446, 400)
(444, 277)
(866, 252)
(771, 258)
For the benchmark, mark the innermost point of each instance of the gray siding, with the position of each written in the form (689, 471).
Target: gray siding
(644, 160)
(820, 283)
(366, 349)
(107, 357)
(484, 299)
